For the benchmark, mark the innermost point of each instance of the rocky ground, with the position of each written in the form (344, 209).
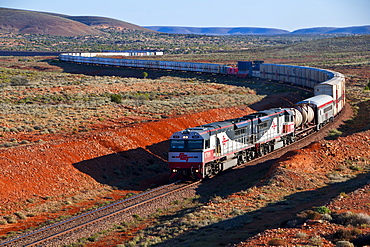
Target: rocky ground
(55, 174)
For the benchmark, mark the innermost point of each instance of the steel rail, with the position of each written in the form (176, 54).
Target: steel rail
(119, 205)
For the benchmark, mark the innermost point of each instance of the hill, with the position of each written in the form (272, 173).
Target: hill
(22, 21)
(103, 22)
(334, 30)
(33, 22)
(259, 31)
(218, 30)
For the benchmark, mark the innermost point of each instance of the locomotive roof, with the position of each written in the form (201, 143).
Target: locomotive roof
(216, 125)
(206, 129)
(319, 100)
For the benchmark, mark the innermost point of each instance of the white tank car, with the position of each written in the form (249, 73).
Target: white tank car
(317, 110)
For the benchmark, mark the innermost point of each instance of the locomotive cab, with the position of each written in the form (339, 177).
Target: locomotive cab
(186, 153)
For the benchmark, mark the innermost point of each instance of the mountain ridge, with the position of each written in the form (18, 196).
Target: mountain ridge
(217, 30)
(35, 22)
(258, 30)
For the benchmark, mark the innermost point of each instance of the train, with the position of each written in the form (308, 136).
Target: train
(204, 151)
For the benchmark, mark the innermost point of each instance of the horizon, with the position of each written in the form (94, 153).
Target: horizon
(254, 27)
(284, 14)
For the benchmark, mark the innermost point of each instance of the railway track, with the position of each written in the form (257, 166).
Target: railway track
(72, 229)
(87, 224)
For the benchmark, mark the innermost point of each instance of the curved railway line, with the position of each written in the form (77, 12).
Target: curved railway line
(103, 218)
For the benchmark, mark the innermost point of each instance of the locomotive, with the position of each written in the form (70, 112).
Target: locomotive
(205, 150)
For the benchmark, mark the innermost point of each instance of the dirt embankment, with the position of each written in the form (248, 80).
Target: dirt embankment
(50, 169)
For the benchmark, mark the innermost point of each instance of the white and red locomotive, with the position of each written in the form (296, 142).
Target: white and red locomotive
(206, 150)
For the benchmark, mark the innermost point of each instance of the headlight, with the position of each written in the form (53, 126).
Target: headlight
(174, 170)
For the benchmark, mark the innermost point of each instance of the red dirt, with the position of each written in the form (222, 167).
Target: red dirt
(47, 169)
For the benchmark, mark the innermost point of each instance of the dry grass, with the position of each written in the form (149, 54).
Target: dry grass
(51, 102)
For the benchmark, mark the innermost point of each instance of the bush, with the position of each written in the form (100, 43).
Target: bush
(19, 81)
(313, 215)
(301, 235)
(10, 219)
(276, 242)
(117, 98)
(333, 134)
(349, 218)
(344, 244)
(316, 241)
(346, 235)
(20, 215)
(323, 210)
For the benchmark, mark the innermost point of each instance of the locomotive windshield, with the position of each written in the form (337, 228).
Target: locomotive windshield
(177, 144)
(195, 144)
(186, 145)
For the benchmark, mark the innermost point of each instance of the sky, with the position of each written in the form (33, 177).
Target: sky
(282, 14)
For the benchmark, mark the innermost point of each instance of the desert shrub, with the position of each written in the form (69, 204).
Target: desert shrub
(19, 81)
(344, 244)
(334, 134)
(326, 217)
(10, 219)
(349, 218)
(13, 129)
(142, 97)
(346, 234)
(20, 215)
(316, 241)
(355, 168)
(5, 129)
(117, 98)
(137, 217)
(93, 238)
(30, 200)
(216, 199)
(313, 215)
(276, 242)
(10, 144)
(323, 210)
(236, 212)
(301, 235)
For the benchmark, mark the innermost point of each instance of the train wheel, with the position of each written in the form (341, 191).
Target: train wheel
(216, 168)
(249, 155)
(242, 158)
(208, 170)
